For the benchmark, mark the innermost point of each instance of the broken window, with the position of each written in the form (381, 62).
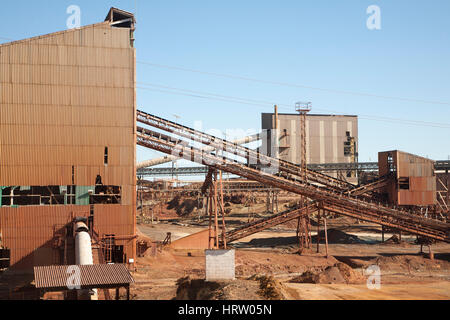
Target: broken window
(106, 195)
(122, 19)
(16, 196)
(390, 162)
(349, 146)
(403, 183)
(106, 156)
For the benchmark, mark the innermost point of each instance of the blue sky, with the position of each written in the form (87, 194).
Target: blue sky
(319, 44)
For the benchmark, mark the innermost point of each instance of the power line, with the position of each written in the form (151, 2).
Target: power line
(258, 102)
(286, 84)
(267, 104)
(292, 85)
(200, 96)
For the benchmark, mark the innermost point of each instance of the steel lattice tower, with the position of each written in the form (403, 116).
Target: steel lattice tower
(303, 108)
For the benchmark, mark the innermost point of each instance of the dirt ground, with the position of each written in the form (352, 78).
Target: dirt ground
(353, 247)
(359, 266)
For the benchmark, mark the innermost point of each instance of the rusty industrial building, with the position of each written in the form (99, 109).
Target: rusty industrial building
(69, 127)
(364, 202)
(413, 181)
(329, 139)
(67, 142)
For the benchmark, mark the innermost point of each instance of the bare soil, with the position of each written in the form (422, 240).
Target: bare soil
(273, 253)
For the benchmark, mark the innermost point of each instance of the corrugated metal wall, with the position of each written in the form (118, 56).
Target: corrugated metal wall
(28, 231)
(325, 137)
(419, 170)
(64, 97)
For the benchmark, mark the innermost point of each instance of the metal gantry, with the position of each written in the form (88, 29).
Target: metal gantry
(303, 225)
(331, 194)
(252, 157)
(324, 167)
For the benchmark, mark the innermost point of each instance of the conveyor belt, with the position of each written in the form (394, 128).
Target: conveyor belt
(253, 157)
(265, 223)
(328, 197)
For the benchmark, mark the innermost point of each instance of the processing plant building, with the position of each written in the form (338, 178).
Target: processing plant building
(67, 141)
(329, 139)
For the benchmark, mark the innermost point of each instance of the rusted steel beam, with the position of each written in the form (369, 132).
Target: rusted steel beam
(380, 183)
(340, 202)
(326, 236)
(251, 155)
(298, 187)
(265, 223)
(208, 180)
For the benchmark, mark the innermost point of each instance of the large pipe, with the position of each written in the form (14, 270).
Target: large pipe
(167, 159)
(155, 162)
(83, 256)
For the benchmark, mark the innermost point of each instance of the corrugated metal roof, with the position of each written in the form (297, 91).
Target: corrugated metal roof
(92, 276)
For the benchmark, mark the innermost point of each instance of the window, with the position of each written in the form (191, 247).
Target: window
(5, 257)
(18, 196)
(106, 156)
(390, 162)
(403, 183)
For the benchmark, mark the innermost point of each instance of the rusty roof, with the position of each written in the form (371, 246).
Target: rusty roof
(92, 276)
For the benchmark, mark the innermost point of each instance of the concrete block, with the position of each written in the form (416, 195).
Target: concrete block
(220, 265)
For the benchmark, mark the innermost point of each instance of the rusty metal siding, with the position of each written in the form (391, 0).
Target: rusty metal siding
(64, 97)
(419, 170)
(120, 221)
(28, 229)
(114, 219)
(63, 100)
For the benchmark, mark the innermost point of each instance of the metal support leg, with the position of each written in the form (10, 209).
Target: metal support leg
(326, 237)
(318, 230)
